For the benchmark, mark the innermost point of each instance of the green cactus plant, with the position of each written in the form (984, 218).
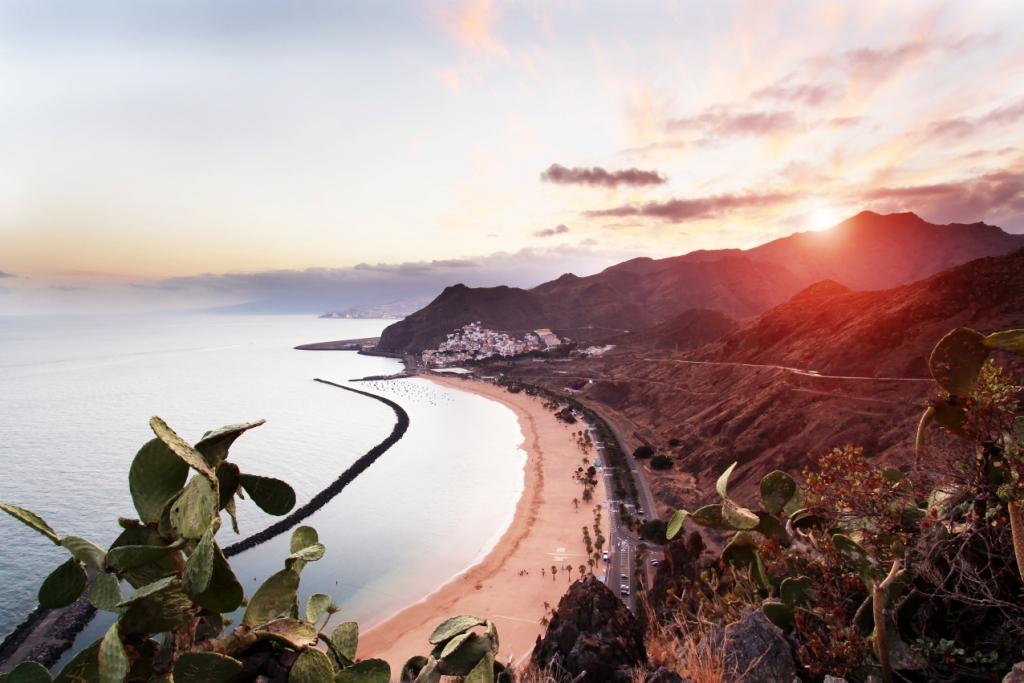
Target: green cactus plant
(181, 585)
(956, 363)
(779, 492)
(460, 649)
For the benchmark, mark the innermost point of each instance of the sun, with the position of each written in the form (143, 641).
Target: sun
(824, 217)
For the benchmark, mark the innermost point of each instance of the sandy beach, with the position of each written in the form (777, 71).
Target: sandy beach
(546, 530)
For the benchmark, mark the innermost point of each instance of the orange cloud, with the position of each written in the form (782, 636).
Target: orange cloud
(472, 24)
(451, 80)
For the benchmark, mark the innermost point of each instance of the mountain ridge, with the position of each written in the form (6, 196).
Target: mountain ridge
(868, 251)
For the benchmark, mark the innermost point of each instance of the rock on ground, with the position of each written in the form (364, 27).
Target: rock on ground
(592, 632)
(755, 650)
(1016, 674)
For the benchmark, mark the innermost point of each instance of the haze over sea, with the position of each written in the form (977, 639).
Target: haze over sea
(76, 394)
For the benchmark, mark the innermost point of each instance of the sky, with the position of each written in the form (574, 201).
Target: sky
(314, 155)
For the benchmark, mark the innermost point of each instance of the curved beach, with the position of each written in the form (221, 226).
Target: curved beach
(546, 530)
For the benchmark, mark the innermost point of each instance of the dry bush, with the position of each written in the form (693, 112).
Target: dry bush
(675, 644)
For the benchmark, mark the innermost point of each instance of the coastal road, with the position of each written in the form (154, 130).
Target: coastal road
(623, 544)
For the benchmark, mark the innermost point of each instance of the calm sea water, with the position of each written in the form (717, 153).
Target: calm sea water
(76, 394)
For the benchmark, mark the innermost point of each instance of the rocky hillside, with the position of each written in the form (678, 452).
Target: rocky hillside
(688, 330)
(832, 330)
(746, 398)
(868, 251)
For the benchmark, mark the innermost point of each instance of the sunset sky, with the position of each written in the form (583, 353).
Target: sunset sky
(189, 154)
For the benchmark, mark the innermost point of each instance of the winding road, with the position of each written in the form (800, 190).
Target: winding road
(795, 371)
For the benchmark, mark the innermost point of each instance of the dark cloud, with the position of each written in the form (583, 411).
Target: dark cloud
(719, 122)
(559, 229)
(963, 126)
(683, 210)
(876, 62)
(595, 175)
(810, 94)
(845, 121)
(325, 289)
(997, 196)
(416, 267)
(983, 153)
(6, 275)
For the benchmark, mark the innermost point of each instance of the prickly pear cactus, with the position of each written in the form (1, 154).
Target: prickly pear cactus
(166, 574)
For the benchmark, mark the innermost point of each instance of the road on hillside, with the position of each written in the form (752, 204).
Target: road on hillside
(796, 371)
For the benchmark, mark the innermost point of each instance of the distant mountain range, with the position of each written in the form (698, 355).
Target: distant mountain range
(391, 309)
(866, 252)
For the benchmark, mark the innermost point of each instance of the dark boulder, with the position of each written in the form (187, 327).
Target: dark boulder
(591, 632)
(755, 650)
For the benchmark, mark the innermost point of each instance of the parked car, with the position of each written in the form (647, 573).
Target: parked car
(604, 555)
(654, 562)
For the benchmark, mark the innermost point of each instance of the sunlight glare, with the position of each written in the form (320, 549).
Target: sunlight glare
(824, 217)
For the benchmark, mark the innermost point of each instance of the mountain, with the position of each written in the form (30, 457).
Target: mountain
(871, 251)
(747, 397)
(768, 418)
(867, 251)
(833, 330)
(391, 309)
(689, 330)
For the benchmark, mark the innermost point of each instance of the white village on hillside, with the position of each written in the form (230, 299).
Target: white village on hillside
(475, 342)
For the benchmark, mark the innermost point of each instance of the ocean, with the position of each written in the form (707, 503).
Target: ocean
(77, 392)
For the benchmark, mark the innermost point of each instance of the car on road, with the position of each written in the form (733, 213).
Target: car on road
(625, 579)
(654, 562)
(604, 555)
(624, 590)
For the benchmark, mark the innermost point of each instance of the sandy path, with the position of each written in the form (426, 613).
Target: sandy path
(546, 530)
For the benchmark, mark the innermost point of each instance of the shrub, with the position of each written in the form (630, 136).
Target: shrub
(870, 570)
(653, 530)
(643, 452)
(661, 462)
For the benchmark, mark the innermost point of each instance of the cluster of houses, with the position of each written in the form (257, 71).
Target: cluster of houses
(594, 351)
(475, 342)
